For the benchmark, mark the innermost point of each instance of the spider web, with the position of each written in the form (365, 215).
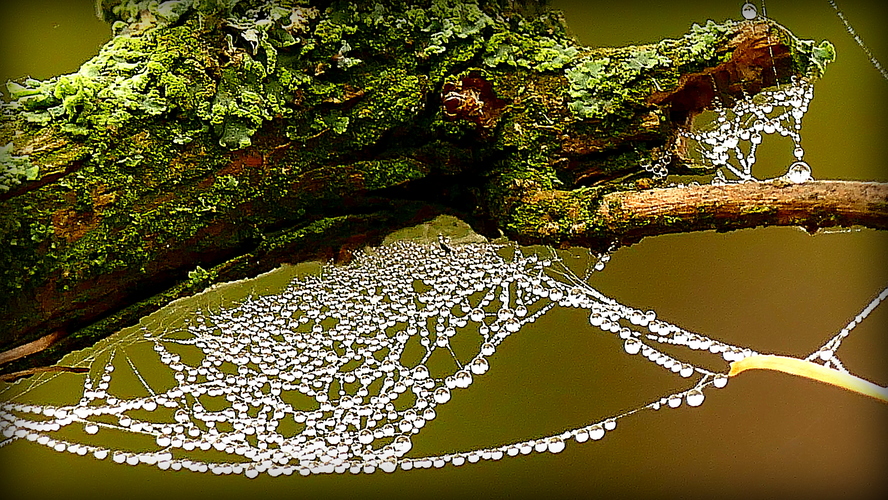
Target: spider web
(341, 371)
(729, 143)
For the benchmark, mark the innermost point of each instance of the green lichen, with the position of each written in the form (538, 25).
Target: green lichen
(606, 88)
(449, 22)
(528, 51)
(281, 59)
(610, 85)
(702, 41)
(130, 81)
(557, 217)
(824, 53)
(590, 95)
(14, 169)
(821, 55)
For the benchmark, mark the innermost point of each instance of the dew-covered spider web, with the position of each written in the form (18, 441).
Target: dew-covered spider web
(338, 372)
(730, 142)
(342, 371)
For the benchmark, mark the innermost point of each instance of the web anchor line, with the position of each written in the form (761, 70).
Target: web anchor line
(857, 38)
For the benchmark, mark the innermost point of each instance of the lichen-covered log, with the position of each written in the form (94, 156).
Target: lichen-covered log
(207, 141)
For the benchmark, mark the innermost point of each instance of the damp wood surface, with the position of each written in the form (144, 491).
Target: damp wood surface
(204, 145)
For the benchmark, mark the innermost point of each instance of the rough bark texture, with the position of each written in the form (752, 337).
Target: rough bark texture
(206, 143)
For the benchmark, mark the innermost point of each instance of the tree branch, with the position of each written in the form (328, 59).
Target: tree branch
(631, 216)
(601, 221)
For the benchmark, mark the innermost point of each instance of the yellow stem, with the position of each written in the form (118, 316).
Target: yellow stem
(813, 371)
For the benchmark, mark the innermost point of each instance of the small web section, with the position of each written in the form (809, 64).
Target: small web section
(730, 142)
(826, 354)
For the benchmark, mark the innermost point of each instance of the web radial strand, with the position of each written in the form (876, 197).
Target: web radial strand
(331, 374)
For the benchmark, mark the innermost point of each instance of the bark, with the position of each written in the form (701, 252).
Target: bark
(204, 144)
(625, 217)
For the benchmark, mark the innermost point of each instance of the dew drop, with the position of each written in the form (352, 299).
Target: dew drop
(365, 437)
(442, 395)
(421, 372)
(596, 432)
(512, 325)
(555, 445)
(477, 315)
(632, 345)
(487, 349)
(402, 444)
(595, 319)
(462, 379)
(479, 366)
(695, 397)
(799, 172)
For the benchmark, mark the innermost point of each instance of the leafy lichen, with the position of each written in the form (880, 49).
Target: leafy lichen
(14, 169)
(606, 88)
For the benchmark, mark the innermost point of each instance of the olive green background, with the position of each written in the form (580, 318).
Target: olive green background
(776, 290)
